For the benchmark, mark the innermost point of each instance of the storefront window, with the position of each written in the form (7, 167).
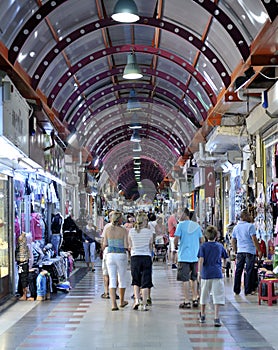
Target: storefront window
(4, 251)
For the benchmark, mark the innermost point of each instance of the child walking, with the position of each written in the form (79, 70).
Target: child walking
(210, 257)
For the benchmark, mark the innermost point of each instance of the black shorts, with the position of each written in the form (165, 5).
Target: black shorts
(23, 272)
(141, 271)
(187, 271)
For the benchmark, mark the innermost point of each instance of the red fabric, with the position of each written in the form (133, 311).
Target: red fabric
(172, 223)
(263, 247)
(35, 226)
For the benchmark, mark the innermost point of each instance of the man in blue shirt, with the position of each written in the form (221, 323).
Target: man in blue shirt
(245, 243)
(188, 237)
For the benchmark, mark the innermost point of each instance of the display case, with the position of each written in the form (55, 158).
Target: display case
(4, 234)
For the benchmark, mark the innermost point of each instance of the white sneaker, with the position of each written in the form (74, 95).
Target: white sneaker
(144, 308)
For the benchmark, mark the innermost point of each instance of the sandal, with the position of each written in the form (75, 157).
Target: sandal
(195, 303)
(185, 306)
(115, 308)
(125, 303)
(136, 306)
(105, 296)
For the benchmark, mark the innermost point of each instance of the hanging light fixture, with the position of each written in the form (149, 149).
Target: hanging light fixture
(135, 137)
(125, 11)
(133, 104)
(134, 123)
(137, 147)
(132, 70)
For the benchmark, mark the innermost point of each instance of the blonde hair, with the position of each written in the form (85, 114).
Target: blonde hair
(140, 221)
(115, 218)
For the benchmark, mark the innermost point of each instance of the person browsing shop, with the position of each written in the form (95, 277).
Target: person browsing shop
(245, 244)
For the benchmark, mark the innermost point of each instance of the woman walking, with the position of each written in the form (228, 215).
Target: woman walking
(140, 244)
(116, 240)
(89, 244)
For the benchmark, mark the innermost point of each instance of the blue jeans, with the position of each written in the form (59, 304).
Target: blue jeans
(89, 251)
(247, 260)
(56, 241)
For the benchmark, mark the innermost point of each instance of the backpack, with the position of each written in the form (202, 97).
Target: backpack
(56, 223)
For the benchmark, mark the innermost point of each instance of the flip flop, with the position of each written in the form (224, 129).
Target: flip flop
(185, 306)
(105, 296)
(115, 309)
(124, 304)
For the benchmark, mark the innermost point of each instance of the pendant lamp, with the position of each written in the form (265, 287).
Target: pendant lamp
(137, 147)
(134, 123)
(132, 70)
(133, 104)
(135, 137)
(125, 11)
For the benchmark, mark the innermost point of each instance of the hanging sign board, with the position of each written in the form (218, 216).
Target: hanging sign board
(14, 116)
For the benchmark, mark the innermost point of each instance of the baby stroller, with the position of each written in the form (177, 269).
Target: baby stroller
(160, 248)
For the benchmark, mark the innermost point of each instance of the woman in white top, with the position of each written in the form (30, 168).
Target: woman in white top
(140, 244)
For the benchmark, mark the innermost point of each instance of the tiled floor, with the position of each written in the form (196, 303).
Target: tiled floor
(82, 320)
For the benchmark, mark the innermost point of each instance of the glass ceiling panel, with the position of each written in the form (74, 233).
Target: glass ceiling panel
(72, 15)
(39, 42)
(174, 70)
(57, 67)
(188, 102)
(249, 15)
(210, 74)
(163, 84)
(199, 92)
(13, 14)
(82, 76)
(87, 44)
(172, 43)
(223, 45)
(189, 15)
(142, 35)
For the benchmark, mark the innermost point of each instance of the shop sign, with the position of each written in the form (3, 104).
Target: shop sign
(14, 116)
(199, 178)
(210, 182)
(36, 147)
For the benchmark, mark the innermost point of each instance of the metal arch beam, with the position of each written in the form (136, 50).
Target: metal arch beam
(164, 76)
(157, 135)
(123, 153)
(271, 8)
(100, 24)
(116, 116)
(99, 134)
(149, 100)
(175, 102)
(230, 27)
(104, 147)
(122, 49)
(129, 173)
(144, 164)
(164, 162)
(215, 11)
(171, 140)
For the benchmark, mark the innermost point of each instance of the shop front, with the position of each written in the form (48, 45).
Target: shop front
(6, 241)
